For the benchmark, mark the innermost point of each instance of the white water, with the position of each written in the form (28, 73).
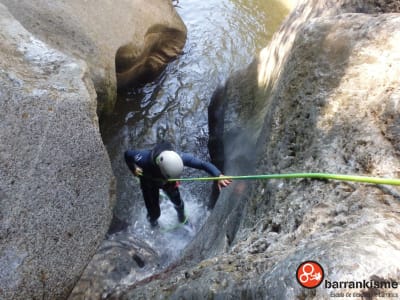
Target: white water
(223, 36)
(169, 238)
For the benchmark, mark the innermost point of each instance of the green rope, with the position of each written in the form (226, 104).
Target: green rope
(365, 179)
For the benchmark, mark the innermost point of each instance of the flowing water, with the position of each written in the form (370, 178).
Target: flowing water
(223, 36)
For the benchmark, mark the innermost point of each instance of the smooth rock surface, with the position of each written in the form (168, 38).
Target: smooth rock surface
(137, 35)
(120, 259)
(56, 183)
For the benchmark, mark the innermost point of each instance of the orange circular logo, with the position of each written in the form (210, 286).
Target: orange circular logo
(310, 274)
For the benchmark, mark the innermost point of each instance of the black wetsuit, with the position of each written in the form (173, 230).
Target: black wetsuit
(152, 179)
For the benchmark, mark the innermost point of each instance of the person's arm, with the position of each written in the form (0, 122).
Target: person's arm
(196, 163)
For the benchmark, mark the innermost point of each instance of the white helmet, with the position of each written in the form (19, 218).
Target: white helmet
(170, 163)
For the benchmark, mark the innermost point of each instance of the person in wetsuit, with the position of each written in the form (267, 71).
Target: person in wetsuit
(155, 166)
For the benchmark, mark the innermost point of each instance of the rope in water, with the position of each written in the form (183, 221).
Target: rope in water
(340, 177)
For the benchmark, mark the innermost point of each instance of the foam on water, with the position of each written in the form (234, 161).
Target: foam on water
(170, 237)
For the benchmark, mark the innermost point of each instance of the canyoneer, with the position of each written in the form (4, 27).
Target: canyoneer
(155, 166)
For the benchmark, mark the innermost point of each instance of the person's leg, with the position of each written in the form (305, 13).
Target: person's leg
(151, 195)
(172, 191)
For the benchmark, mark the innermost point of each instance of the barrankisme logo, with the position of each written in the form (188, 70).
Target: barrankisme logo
(310, 274)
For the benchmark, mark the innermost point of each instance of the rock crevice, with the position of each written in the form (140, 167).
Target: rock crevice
(324, 99)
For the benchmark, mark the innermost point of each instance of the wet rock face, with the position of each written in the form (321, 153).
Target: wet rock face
(327, 93)
(161, 46)
(112, 267)
(387, 6)
(329, 114)
(149, 32)
(56, 183)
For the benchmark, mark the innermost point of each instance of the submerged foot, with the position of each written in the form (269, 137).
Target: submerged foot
(183, 219)
(153, 223)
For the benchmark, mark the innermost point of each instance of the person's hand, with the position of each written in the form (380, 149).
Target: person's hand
(223, 182)
(138, 171)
